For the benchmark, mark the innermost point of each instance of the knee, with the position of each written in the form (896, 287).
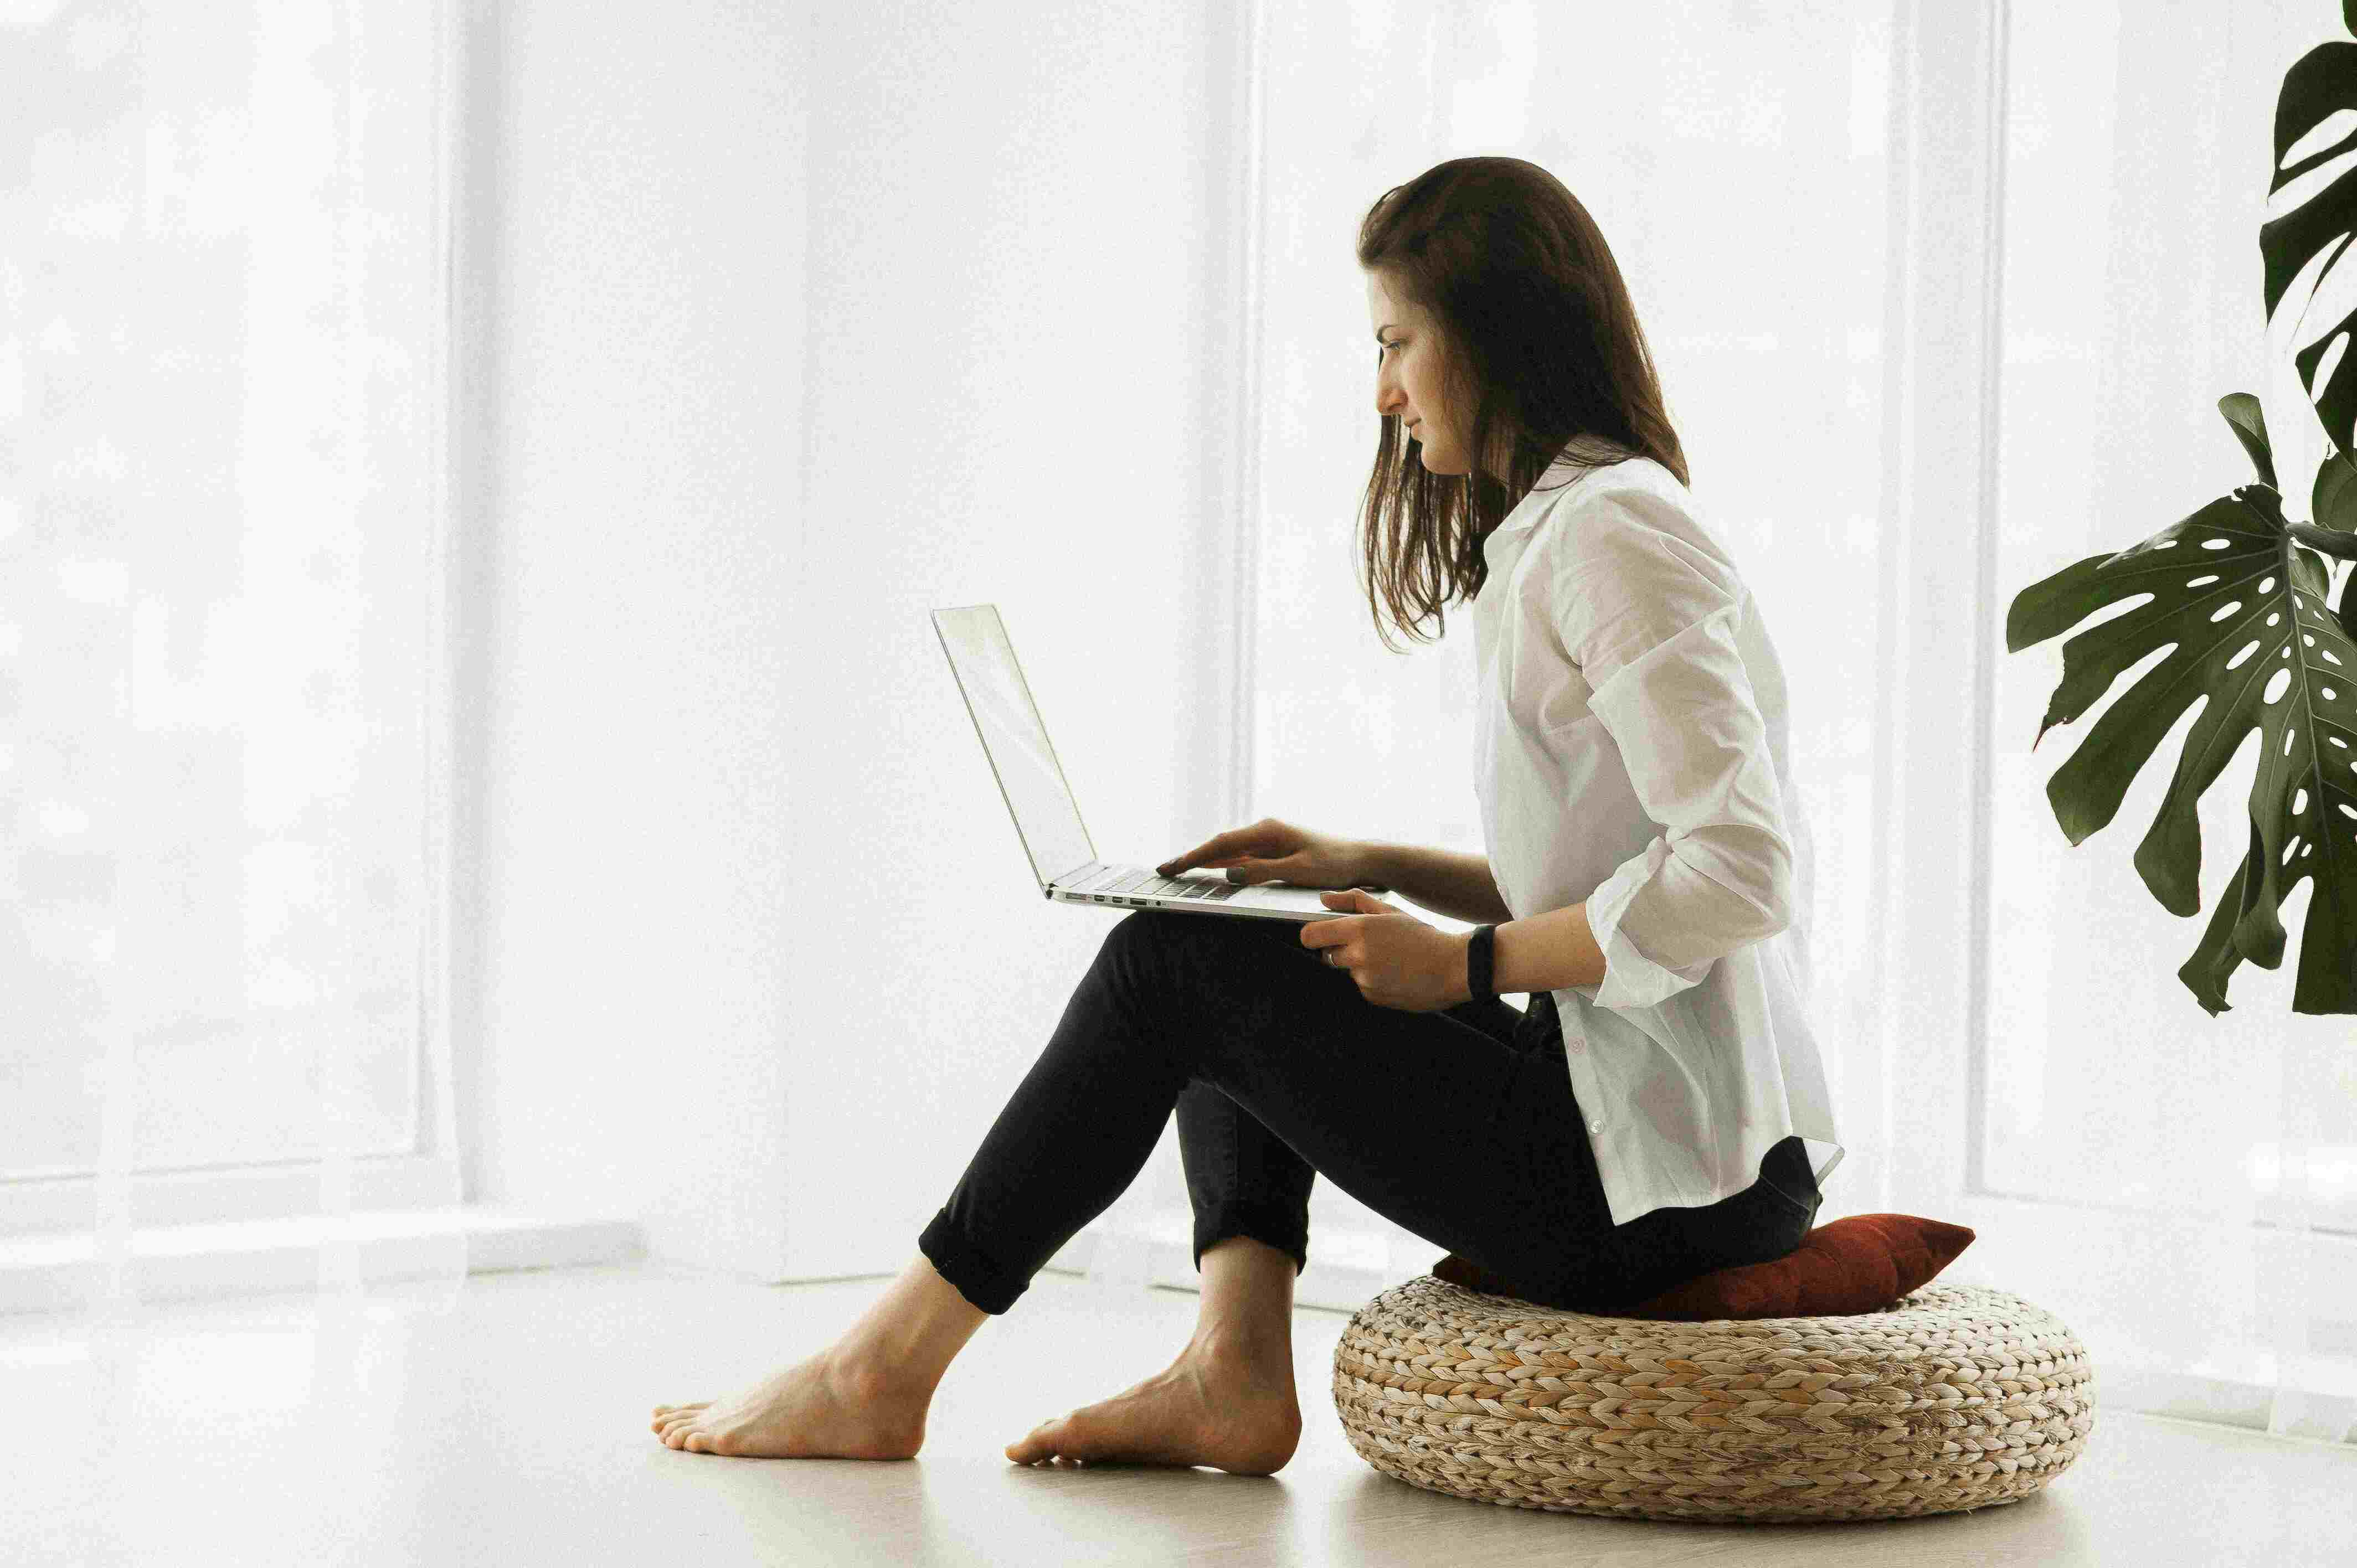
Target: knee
(1134, 945)
(1160, 928)
(1140, 926)
(1164, 947)
(1166, 930)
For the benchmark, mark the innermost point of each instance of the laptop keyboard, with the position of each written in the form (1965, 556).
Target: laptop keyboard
(1124, 880)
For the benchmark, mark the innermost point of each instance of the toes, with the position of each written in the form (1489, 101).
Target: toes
(1066, 1438)
(1079, 1438)
(1043, 1441)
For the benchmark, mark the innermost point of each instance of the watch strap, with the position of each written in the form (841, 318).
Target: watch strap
(1480, 963)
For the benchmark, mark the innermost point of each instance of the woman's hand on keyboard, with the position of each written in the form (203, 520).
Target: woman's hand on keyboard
(1273, 850)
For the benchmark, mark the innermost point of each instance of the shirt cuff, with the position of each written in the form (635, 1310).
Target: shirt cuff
(1630, 978)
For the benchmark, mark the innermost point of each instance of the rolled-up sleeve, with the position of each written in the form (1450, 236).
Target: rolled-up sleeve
(1651, 621)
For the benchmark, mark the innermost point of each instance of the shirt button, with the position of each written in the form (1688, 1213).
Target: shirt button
(1596, 1126)
(1578, 1047)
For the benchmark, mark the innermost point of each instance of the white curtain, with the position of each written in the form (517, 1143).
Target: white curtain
(1779, 189)
(222, 531)
(2139, 150)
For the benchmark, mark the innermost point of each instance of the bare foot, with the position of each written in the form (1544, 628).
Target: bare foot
(1244, 1421)
(815, 1409)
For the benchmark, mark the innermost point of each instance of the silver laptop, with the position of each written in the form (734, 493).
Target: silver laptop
(1046, 819)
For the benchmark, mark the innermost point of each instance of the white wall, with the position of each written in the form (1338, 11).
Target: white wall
(779, 330)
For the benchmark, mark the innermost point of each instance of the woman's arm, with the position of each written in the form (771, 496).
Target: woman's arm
(1444, 881)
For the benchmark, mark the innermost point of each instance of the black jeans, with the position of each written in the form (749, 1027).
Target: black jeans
(1458, 1125)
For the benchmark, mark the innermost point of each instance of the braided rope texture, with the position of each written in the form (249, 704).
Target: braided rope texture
(1956, 1397)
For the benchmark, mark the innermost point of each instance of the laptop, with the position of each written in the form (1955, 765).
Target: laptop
(1046, 819)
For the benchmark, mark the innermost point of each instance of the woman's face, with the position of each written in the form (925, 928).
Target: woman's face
(1408, 382)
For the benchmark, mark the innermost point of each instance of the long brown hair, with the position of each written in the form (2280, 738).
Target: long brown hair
(1537, 333)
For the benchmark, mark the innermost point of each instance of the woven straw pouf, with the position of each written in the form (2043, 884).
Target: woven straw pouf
(1956, 1397)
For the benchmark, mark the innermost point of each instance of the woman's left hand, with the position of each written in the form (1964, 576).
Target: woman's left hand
(1397, 960)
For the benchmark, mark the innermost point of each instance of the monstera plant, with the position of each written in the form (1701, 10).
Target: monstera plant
(2246, 598)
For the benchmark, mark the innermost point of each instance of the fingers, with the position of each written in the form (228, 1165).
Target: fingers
(1178, 863)
(1265, 836)
(1223, 847)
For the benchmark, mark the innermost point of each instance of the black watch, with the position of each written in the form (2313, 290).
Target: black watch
(1482, 962)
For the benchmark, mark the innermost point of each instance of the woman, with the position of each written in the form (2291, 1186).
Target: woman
(1626, 683)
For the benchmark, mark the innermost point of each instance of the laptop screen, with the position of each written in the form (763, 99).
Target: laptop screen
(1046, 819)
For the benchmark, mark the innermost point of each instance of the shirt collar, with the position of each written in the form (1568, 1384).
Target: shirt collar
(1565, 473)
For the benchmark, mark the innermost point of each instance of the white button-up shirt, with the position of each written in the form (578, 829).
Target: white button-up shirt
(1631, 757)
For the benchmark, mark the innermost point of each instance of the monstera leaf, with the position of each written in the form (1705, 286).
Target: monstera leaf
(2314, 197)
(2245, 598)
(2248, 609)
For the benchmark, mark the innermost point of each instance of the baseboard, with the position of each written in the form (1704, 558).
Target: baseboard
(1347, 1269)
(1134, 1256)
(62, 1271)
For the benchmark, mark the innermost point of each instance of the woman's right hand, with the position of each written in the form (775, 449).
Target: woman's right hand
(1272, 851)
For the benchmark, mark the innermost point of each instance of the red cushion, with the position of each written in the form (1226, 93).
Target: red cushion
(1860, 1264)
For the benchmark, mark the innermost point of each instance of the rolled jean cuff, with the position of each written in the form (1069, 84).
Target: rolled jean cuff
(982, 1283)
(1289, 1232)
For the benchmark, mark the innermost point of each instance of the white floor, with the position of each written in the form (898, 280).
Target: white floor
(509, 1426)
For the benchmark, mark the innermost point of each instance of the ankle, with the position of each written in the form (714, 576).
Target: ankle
(863, 1372)
(906, 1339)
(1261, 1351)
